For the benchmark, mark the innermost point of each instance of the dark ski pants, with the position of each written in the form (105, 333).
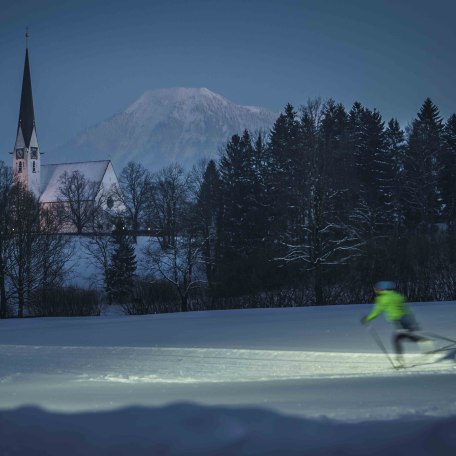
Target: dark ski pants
(406, 325)
(400, 336)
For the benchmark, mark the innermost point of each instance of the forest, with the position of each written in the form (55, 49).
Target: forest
(313, 212)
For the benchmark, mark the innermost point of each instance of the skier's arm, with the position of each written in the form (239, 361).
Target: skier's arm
(376, 311)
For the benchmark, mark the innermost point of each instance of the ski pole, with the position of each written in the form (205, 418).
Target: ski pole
(379, 342)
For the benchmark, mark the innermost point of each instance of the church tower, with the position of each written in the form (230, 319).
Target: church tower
(26, 153)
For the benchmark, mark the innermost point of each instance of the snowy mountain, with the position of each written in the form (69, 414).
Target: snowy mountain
(166, 125)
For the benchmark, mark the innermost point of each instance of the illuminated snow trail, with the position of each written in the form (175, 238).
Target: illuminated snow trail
(199, 365)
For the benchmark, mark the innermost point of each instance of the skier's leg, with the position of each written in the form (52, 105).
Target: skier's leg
(413, 337)
(398, 348)
(400, 335)
(405, 335)
(401, 325)
(397, 342)
(406, 327)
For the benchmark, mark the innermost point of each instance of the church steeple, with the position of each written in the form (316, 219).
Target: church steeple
(26, 154)
(26, 113)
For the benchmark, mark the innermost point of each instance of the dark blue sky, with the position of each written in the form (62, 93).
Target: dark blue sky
(90, 59)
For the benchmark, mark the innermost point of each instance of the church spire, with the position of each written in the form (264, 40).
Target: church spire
(26, 113)
(26, 155)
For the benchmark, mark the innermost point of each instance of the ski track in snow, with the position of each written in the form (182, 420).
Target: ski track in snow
(200, 365)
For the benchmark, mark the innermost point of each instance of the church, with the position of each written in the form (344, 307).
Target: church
(44, 180)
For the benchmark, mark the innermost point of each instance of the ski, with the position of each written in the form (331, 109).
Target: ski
(410, 366)
(441, 349)
(438, 336)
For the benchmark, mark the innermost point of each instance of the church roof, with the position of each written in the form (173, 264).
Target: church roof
(26, 113)
(93, 171)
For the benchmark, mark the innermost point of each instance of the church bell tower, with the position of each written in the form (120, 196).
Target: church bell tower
(26, 152)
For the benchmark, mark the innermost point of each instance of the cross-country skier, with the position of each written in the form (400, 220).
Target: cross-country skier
(393, 304)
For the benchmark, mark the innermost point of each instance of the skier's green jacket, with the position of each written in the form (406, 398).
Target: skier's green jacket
(391, 303)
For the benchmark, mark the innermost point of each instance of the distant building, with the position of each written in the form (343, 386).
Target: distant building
(45, 180)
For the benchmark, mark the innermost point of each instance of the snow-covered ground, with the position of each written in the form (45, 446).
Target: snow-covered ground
(248, 382)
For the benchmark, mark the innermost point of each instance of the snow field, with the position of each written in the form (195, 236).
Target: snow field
(243, 382)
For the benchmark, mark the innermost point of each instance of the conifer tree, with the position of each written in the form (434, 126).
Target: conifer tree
(372, 170)
(334, 146)
(357, 135)
(395, 150)
(423, 167)
(448, 169)
(322, 238)
(210, 210)
(238, 184)
(283, 175)
(119, 280)
(243, 218)
(448, 183)
(260, 168)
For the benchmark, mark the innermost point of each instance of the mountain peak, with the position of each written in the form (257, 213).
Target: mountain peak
(151, 99)
(171, 124)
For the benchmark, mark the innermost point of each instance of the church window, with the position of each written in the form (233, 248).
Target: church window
(34, 166)
(19, 169)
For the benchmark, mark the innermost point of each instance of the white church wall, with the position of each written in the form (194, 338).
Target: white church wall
(33, 166)
(110, 188)
(18, 170)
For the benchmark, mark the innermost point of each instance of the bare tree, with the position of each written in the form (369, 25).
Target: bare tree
(166, 200)
(196, 177)
(181, 264)
(24, 228)
(36, 255)
(78, 197)
(134, 182)
(321, 239)
(54, 250)
(99, 250)
(177, 256)
(6, 180)
(29, 256)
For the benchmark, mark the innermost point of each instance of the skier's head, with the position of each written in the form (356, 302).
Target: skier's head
(384, 285)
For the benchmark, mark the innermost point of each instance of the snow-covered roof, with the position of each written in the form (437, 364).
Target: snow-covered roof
(93, 171)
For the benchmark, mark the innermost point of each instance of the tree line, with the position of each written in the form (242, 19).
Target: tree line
(315, 212)
(332, 201)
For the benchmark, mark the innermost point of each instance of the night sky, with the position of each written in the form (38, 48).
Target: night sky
(90, 59)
